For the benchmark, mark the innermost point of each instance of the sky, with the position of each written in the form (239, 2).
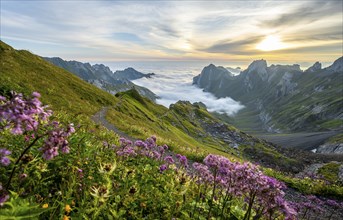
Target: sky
(237, 31)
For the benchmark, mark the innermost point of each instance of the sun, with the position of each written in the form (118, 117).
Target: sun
(271, 43)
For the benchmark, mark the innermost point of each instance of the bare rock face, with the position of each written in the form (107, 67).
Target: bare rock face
(260, 68)
(337, 66)
(211, 77)
(314, 68)
(331, 148)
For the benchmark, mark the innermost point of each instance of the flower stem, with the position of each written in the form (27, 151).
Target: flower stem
(213, 193)
(18, 160)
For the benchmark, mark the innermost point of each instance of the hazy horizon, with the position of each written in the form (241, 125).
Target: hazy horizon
(281, 32)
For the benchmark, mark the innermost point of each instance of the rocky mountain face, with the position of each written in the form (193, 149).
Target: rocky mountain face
(102, 77)
(282, 98)
(130, 74)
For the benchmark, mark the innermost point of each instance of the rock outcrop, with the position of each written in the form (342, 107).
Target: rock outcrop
(314, 68)
(330, 148)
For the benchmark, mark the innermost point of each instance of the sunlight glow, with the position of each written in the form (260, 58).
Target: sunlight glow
(271, 43)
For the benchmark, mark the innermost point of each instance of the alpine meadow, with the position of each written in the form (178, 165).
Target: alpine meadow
(203, 110)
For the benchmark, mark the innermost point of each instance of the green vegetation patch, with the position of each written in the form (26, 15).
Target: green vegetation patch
(330, 171)
(336, 139)
(336, 123)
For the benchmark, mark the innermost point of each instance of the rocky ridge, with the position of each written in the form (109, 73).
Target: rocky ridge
(102, 77)
(283, 98)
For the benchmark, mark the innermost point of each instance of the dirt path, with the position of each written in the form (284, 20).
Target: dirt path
(100, 118)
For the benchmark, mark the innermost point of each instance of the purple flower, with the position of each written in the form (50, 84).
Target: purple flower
(36, 94)
(184, 161)
(65, 149)
(161, 150)
(151, 142)
(3, 198)
(156, 155)
(126, 151)
(4, 160)
(332, 203)
(4, 152)
(22, 115)
(163, 168)
(23, 176)
(169, 159)
(140, 144)
(3, 195)
(56, 140)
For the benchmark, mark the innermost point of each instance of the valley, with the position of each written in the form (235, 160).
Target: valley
(303, 141)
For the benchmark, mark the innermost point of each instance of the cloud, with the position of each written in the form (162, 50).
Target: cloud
(149, 30)
(233, 46)
(126, 37)
(177, 86)
(307, 13)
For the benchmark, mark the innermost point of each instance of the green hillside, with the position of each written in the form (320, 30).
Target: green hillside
(24, 72)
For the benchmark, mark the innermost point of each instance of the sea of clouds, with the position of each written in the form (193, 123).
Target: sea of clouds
(174, 83)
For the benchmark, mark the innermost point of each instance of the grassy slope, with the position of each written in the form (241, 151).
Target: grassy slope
(183, 128)
(24, 72)
(139, 117)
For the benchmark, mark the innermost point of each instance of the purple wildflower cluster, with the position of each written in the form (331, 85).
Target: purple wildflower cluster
(4, 160)
(21, 114)
(56, 140)
(28, 116)
(311, 206)
(261, 193)
(149, 148)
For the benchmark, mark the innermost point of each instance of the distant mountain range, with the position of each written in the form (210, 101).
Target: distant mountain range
(102, 77)
(280, 98)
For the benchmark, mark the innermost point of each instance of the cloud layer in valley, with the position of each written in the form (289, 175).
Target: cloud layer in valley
(178, 86)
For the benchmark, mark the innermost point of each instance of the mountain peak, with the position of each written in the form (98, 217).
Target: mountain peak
(258, 64)
(260, 68)
(337, 66)
(314, 68)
